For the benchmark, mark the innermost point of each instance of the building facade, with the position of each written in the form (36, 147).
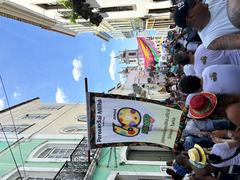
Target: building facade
(43, 139)
(121, 19)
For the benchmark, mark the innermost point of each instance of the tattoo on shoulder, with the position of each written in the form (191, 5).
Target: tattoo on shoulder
(226, 42)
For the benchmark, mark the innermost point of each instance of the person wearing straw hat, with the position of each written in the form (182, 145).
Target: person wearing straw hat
(222, 155)
(224, 101)
(197, 156)
(198, 171)
(206, 104)
(202, 105)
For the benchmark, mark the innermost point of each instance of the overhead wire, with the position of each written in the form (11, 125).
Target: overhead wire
(14, 125)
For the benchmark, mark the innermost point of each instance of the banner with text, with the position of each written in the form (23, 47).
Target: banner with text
(117, 120)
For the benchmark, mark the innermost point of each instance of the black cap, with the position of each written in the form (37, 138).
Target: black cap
(181, 12)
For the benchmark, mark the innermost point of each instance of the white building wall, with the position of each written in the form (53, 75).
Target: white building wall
(50, 127)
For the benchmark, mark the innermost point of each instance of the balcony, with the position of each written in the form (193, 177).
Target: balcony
(79, 168)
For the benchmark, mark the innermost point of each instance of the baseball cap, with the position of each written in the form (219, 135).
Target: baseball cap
(181, 12)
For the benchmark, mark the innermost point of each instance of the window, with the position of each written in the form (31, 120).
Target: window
(55, 151)
(126, 175)
(145, 155)
(75, 129)
(128, 34)
(51, 6)
(33, 178)
(148, 154)
(51, 107)
(132, 54)
(115, 9)
(34, 116)
(132, 61)
(159, 11)
(81, 118)
(10, 128)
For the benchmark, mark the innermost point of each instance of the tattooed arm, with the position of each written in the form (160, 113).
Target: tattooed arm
(229, 41)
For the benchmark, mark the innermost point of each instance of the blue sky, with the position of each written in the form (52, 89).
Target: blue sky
(38, 63)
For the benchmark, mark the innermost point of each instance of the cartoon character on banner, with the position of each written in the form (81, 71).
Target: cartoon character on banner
(129, 120)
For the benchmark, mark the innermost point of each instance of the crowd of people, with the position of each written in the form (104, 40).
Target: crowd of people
(205, 46)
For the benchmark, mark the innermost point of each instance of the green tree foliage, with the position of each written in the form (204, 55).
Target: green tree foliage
(73, 16)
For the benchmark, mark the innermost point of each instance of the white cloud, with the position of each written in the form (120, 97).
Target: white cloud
(112, 67)
(77, 65)
(17, 95)
(103, 48)
(60, 96)
(1, 104)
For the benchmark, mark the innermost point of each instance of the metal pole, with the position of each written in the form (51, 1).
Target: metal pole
(110, 156)
(88, 118)
(115, 155)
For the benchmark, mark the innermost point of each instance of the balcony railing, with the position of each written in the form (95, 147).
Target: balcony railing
(78, 166)
(72, 170)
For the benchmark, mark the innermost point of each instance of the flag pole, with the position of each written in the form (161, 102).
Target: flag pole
(88, 117)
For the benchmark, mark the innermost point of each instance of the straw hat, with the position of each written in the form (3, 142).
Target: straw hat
(202, 105)
(197, 155)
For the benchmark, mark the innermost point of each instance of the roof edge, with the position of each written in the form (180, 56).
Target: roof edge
(20, 104)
